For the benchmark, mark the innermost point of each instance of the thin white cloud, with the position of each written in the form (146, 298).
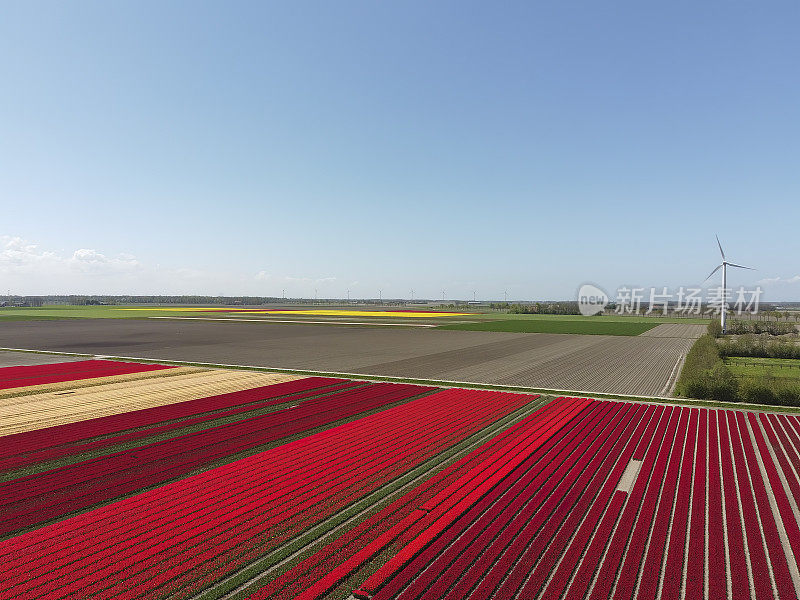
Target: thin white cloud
(91, 261)
(17, 254)
(27, 269)
(779, 280)
(20, 256)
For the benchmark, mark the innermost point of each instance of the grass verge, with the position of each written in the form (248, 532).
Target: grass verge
(778, 368)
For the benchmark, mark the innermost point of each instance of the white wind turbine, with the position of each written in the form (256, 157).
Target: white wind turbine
(724, 267)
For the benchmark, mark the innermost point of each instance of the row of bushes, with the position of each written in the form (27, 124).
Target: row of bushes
(758, 346)
(769, 390)
(706, 376)
(757, 327)
(541, 308)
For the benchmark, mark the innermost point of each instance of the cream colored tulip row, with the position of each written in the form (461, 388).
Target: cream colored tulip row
(29, 412)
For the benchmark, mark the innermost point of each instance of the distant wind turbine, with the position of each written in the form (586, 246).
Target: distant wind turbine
(724, 267)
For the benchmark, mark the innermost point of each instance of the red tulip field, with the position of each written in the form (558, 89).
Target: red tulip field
(330, 488)
(16, 377)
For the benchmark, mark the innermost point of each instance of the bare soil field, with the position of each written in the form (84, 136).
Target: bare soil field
(678, 330)
(602, 364)
(609, 364)
(23, 359)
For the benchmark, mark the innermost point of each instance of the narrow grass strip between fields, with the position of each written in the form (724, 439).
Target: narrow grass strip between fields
(241, 584)
(445, 383)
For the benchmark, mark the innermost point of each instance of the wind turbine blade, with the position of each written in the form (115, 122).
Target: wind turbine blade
(720, 247)
(741, 266)
(712, 272)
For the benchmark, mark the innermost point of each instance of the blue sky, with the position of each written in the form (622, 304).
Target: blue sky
(248, 148)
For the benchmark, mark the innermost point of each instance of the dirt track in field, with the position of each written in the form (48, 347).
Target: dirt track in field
(612, 364)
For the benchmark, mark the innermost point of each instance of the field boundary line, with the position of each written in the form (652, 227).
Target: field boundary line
(791, 410)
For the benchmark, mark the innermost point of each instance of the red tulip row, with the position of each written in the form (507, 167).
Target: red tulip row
(777, 427)
(559, 524)
(14, 377)
(32, 447)
(175, 540)
(34, 499)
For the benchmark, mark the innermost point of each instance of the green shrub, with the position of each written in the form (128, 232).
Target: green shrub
(759, 346)
(545, 308)
(756, 391)
(767, 390)
(769, 327)
(723, 385)
(714, 328)
(703, 355)
(788, 395)
(705, 375)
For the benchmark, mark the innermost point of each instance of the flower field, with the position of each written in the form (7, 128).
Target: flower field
(326, 488)
(37, 498)
(709, 513)
(38, 407)
(15, 377)
(176, 539)
(28, 448)
(315, 312)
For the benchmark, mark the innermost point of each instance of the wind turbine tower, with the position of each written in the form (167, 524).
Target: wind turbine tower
(724, 266)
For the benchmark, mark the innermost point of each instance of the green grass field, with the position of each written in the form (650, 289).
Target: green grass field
(786, 369)
(593, 326)
(74, 312)
(493, 315)
(487, 321)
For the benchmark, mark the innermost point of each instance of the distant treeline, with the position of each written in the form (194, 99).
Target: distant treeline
(758, 346)
(103, 300)
(80, 300)
(759, 327)
(538, 308)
